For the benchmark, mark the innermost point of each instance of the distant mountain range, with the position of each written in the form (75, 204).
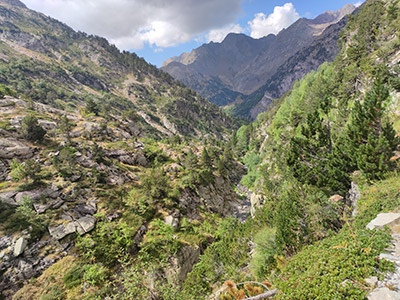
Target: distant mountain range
(245, 73)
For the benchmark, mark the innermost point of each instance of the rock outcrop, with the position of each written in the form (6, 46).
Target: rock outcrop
(385, 219)
(389, 287)
(11, 148)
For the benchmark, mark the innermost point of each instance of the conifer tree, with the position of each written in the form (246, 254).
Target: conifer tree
(191, 160)
(313, 157)
(31, 129)
(206, 159)
(371, 138)
(65, 126)
(91, 107)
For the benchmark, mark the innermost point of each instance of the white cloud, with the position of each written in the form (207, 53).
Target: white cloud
(282, 17)
(132, 23)
(218, 35)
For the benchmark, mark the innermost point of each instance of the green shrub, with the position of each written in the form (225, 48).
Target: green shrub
(335, 268)
(31, 130)
(263, 260)
(73, 277)
(53, 292)
(95, 274)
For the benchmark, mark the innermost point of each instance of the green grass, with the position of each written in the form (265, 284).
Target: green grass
(336, 267)
(383, 196)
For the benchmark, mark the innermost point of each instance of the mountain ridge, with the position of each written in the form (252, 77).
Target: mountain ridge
(206, 66)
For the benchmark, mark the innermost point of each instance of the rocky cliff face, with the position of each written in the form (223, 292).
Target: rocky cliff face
(239, 66)
(323, 49)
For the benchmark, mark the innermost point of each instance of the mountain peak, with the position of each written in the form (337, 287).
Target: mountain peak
(13, 3)
(334, 16)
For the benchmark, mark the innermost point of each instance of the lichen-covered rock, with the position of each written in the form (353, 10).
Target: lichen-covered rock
(171, 221)
(11, 148)
(8, 198)
(85, 224)
(34, 195)
(384, 293)
(61, 231)
(20, 246)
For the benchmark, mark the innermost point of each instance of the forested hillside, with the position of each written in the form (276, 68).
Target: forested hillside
(332, 137)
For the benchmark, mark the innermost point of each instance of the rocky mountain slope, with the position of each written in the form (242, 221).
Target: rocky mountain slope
(231, 70)
(49, 62)
(323, 49)
(97, 201)
(57, 189)
(101, 155)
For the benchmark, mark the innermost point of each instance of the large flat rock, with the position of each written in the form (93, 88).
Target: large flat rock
(385, 219)
(383, 294)
(11, 148)
(8, 198)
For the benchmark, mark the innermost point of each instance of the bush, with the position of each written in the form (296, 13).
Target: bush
(31, 130)
(95, 274)
(53, 292)
(336, 267)
(265, 250)
(73, 277)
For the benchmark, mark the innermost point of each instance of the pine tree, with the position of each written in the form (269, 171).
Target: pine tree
(31, 130)
(91, 107)
(32, 170)
(191, 160)
(206, 159)
(371, 138)
(313, 157)
(65, 126)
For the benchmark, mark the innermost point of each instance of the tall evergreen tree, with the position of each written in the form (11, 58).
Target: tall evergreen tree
(65, 126)
(371, 137)
(206, 159)
(313, 157)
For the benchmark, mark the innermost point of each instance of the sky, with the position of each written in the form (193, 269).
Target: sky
(160, 29)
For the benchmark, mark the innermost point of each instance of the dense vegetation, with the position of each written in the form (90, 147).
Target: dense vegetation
(337, 125)
(165, 202)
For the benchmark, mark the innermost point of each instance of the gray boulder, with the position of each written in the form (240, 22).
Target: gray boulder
(3, 171)
(8, 198)
(11, 148)
(171, 221)
(384, 293)
(48, 125)
(61, 231)
(85, 224)
(385, 219)
(372, 281)
(33, 195)
(20, 246)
